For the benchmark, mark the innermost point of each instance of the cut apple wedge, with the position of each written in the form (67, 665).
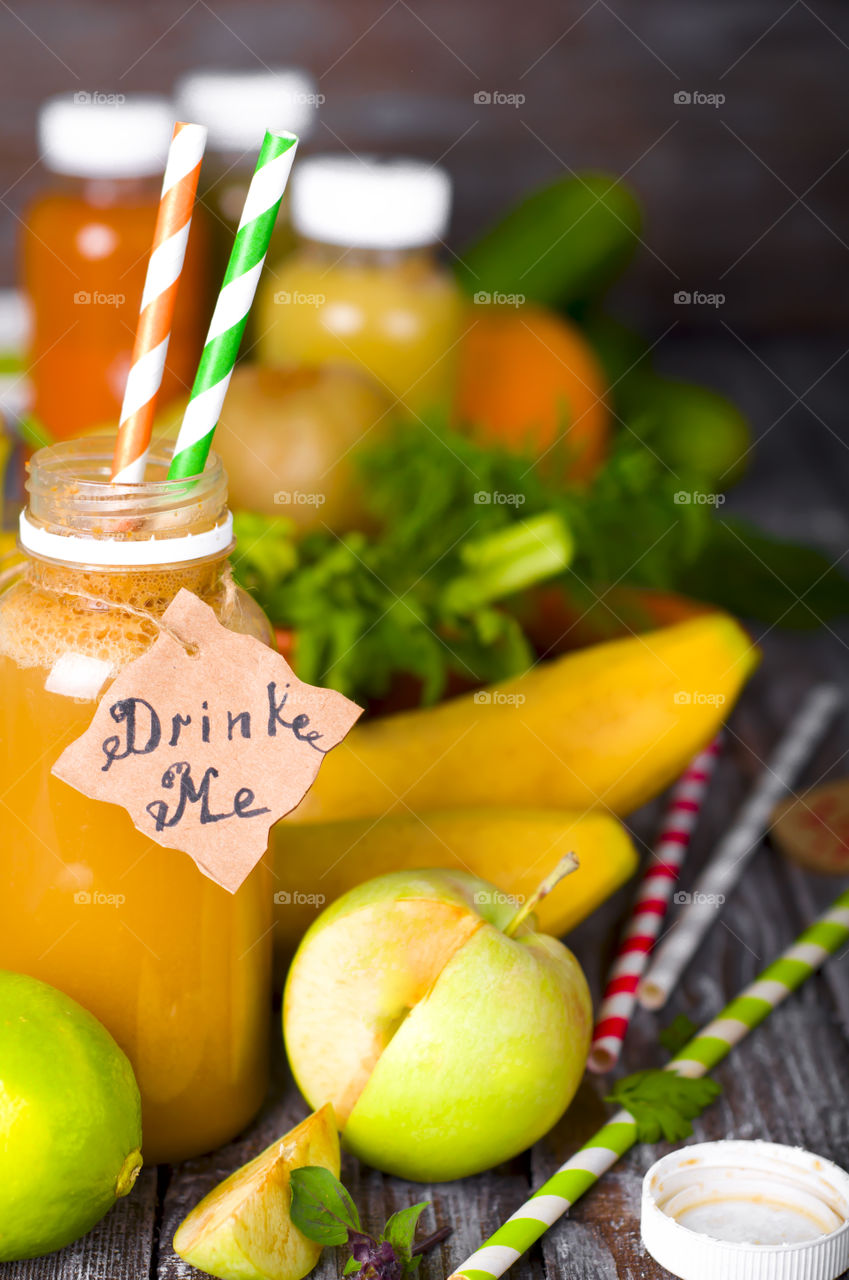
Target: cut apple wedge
(242, 1230)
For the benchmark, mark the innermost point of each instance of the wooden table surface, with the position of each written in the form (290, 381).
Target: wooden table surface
(789, 1082)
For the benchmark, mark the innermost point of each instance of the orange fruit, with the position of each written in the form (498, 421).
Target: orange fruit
(527, 379)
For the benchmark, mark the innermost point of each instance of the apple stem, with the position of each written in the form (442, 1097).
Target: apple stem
(564, 868)
(430, 1242)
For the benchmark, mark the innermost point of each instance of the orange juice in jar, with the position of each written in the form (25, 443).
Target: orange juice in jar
(85, 246)
(365, 287)
(176, 968)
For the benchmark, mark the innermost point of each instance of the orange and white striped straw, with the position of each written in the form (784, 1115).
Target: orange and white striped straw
(164, 268)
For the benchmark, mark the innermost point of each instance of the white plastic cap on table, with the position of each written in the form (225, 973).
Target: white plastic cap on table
(742, 1210)
(370, 203)
(99, 135)
(238, 106)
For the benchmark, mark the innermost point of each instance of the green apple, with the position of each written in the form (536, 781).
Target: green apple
(242, 1230)
(445, 1044)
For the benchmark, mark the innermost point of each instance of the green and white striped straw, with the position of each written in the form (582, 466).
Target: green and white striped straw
(700, 1055)
(234, 302)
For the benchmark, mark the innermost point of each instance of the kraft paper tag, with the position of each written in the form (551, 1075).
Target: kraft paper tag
(206, 749)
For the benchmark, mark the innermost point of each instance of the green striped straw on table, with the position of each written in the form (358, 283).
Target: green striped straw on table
(234, 302)
(708, 1047)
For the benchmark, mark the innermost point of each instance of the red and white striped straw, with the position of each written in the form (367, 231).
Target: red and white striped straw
(649, 910)
(164, 268)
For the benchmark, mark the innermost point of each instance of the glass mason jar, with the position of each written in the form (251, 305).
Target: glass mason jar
(177, 968)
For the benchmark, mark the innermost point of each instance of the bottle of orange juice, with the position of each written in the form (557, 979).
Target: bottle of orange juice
(237, 107)
(365, 286)
(86, 242)
(177, 968)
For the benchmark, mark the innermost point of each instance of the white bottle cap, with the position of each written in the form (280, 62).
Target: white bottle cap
(746, 1211)
(100, 135)
(370, 203)
(238, 106)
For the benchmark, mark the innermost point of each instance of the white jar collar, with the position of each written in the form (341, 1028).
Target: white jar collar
(126, 552)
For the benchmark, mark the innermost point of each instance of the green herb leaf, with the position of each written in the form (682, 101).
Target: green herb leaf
(679, 1032)
(400, 1230)
(663, 1103)
(351, 1266)
(321, 1207)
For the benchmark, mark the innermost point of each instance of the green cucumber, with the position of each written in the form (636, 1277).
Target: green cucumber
(561, 245)
(622, 353)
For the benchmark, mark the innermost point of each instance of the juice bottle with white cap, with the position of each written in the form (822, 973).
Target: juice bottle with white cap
(85, 246)
(176, 968)
(365, 286)
(237, 107)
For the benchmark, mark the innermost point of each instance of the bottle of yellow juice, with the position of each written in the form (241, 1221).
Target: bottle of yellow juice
(176, 968)
(365, 287)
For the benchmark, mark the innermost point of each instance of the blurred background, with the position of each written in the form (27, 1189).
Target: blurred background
(725, 122)
(746, 198)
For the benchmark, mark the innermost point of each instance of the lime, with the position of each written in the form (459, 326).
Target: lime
(70, 1119)
(697, 431)
(242, 1230)
(707, 437)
